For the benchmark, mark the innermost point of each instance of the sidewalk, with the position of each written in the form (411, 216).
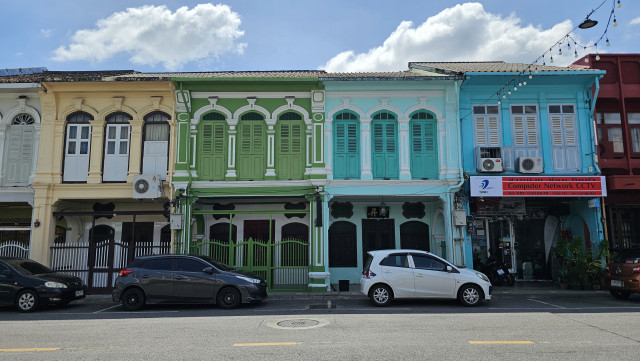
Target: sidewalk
(524, 289)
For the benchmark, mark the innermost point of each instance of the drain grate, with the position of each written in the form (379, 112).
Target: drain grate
(298, 323)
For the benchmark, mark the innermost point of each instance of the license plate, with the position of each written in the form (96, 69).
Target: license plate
(616, 283)
(79, 293)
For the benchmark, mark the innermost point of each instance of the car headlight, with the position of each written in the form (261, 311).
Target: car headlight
(52, 284)
(483, 277)
(249, 279)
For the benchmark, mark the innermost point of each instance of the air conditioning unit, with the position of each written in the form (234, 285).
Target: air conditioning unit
(488, 159)
(147, 186)
(529, 165)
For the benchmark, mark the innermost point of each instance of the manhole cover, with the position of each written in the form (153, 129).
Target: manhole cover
(298, 323)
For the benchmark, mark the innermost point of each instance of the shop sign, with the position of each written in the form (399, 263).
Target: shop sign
(378, 212)
(553, 186)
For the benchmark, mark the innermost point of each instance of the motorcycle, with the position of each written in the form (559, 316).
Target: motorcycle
(498, 273)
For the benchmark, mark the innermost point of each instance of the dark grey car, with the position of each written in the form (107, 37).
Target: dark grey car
(186, 279)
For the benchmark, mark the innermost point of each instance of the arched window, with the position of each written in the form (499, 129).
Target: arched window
(116, 147)
(77, 147)
(385, 160)
(343, 245)
(155, 153)
(19, 141)
(294, 250)
(291, 159)
(252, 149)
(424, 150)
(211, 158)
(414, 235)
(346, 149)
(221, 234)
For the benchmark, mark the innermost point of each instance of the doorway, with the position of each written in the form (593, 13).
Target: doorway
(377, 234)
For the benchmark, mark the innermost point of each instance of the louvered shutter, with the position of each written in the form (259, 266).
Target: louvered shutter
(18, 154)
(346, 158)
(564, 143)
(423, 150)
(385, 155)
(251, 157)
(290, 162)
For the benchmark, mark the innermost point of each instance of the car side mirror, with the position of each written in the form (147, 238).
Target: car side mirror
(7, 273)
(449, 269)
(208, 270)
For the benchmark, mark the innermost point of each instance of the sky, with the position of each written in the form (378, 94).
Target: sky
(333, 35)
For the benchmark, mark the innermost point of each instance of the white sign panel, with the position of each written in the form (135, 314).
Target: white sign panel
(486, 186)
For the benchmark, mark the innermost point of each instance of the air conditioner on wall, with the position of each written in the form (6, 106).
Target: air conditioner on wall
(529, 165)
(147, 186)
(488, 159)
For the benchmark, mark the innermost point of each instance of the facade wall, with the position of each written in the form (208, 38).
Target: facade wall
(370, 188)
(20, 122)
(253, 151)
(520, 231)
(66, 208)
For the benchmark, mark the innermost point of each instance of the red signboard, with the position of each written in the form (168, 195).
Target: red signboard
(554, 186)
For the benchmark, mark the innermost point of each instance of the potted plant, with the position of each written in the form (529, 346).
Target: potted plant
(561, 252)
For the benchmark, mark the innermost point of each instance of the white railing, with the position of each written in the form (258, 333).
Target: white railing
(14, 249)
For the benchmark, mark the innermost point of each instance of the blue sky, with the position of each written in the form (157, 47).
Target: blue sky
(336, 35)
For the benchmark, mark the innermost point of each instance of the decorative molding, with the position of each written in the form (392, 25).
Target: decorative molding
(155, 102)
(117, 103)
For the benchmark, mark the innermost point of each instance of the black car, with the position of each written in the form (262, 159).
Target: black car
(186, 279)
(28, 284)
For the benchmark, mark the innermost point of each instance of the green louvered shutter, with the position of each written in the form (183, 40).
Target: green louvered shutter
(290, 162)
(252, 151)
(385, 163)
(424, 159)
(212, 156)
(346, 158)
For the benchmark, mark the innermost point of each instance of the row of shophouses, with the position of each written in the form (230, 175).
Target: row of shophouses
(297, 174)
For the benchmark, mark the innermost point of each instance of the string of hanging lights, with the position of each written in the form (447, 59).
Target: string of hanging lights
(519, 80)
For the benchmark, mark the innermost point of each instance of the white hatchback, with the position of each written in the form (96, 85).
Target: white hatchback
(407, 273)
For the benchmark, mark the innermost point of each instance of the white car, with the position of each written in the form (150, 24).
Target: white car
(407, 273)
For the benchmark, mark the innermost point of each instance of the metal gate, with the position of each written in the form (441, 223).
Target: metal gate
(284, 264)
(98, 264)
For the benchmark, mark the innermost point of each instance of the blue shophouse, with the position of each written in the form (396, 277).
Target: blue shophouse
(528, 148)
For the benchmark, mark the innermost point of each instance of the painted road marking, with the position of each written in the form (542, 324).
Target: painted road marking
(501, 342)
(545, 303)
(29, 349)
(265, 344)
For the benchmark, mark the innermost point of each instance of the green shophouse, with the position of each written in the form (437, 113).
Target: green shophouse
(250, 171)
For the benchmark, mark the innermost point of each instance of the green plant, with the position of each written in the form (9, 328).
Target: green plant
(577, 265)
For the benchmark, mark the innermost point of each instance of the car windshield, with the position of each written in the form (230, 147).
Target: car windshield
(627, 256)
(29, 267)
(220, 266)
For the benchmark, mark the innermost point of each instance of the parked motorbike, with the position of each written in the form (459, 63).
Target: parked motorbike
(498, 273)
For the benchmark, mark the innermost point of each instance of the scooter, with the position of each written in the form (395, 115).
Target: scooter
(498, 274)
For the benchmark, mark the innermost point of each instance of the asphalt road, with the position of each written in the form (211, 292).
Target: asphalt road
(589, 325)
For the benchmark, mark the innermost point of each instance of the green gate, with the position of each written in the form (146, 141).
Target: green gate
(284, 264)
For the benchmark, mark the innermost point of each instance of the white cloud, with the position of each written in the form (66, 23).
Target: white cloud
(153, 34)
(462, 33)
(635, 21)
(46, 32)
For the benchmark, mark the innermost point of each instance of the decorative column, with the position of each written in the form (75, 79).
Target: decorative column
(271, 152)
(135, 148)
(318, 271)
(405, 144)
(97, 148)
(365, 148)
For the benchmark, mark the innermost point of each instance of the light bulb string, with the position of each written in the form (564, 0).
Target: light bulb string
(533, 66)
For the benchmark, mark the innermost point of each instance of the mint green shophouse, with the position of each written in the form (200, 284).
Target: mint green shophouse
(250, 173)
(394, 168)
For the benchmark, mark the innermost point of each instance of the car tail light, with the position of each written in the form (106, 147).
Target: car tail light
(125, 272)
(636, 269)
(369, 274)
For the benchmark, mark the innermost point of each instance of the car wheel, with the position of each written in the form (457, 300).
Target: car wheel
(470, 295)
(622, 295)
(229, 298)
(27, 301)
(133, 299)
(380, 295)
